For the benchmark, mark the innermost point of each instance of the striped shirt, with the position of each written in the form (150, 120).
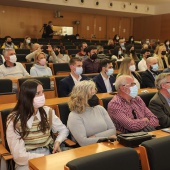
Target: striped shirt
(122, 114)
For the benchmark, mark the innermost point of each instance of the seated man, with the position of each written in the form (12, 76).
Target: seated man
(82, 53)
(91, 65)
(66, 84)
(160, 103)
(142, 64)
(127, 110)
(11, 68)
(2, 60)
(148, 76)
(8, 43)
(104, 81)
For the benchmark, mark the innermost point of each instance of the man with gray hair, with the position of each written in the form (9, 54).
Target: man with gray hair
(127, 110)
(160, 103)
(11, 68)
(148, 76)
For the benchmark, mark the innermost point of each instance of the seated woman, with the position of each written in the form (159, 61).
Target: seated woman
(29, 126)
(40, 68)
(117, 53)
(162, 57)
(131, 40)
(27, 43)
(110, 44)
(60, 57)
(128, 67)
(88, 122)
(130, 52)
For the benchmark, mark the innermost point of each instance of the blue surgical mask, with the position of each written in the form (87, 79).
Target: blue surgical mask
(133, 91)
(110, 72)
(79, 70)
(155, 67)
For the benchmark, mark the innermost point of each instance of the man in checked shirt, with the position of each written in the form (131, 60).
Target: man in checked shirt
(127, 110)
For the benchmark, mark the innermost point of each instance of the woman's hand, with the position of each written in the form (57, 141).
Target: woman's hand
(56, 147)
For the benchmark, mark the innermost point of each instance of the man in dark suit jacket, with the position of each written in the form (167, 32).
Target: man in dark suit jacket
(66, 84)
(148, 76)
(49, 30)
(104, 81)
(160, 103)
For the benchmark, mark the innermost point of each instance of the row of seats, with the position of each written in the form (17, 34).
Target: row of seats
(151, 152)
(154, 155)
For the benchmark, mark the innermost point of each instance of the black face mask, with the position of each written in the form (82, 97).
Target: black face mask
(101, 52)
(132, 51)
(93, 101)
(148, 56)
(9, 42)
(56, 52)
(94, 56)
(163, 52)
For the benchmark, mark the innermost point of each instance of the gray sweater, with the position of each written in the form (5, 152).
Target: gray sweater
(95, 121)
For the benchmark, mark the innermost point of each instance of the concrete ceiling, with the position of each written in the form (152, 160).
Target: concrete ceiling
(48, 6)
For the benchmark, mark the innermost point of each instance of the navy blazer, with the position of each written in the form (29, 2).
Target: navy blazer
(100, 83)
(147, 79)
(66, 85)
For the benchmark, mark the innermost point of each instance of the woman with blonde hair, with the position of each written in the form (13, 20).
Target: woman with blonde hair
(88, 121)
(40, 68)
(162, 58)
(128, 67)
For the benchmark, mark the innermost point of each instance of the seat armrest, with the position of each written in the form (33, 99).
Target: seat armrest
(4, 153)
(69, 142)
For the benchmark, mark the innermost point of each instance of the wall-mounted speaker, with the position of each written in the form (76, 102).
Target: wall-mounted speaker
(97, 3)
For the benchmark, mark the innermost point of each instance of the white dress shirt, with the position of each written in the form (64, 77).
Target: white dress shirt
(142, 65)
(75, 80)
(107, 83)
(17, 145)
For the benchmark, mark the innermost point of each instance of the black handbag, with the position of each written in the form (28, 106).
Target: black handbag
(133, 139)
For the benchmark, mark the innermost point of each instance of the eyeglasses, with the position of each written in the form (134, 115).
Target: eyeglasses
(167, 82)
(130, 85)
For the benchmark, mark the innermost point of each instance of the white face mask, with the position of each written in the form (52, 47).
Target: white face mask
(13, 58)
(119, 52)
(79, 70)
(39, 101)
(28, 41)
(132, 68)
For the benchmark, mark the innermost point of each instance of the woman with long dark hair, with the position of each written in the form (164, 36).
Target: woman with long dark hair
(29, 126)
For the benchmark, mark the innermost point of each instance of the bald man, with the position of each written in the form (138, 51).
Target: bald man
(148, 76)
(127, 110)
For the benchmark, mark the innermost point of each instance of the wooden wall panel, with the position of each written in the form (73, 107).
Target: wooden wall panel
(125, 27)
(147, 27)
(19, 22)
(165, 27)
(87, 26)
(100, 30)
(112, 26)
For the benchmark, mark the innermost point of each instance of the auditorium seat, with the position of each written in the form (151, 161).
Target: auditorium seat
(115, 159)
(6, 92)
(155, 153)
(146, 97)
(46, 83)
(61, 68)
(57, 81)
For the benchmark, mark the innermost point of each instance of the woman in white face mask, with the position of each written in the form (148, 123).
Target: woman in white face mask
(128, 67)
(40, 68)
(27, 43)
(29, 126)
